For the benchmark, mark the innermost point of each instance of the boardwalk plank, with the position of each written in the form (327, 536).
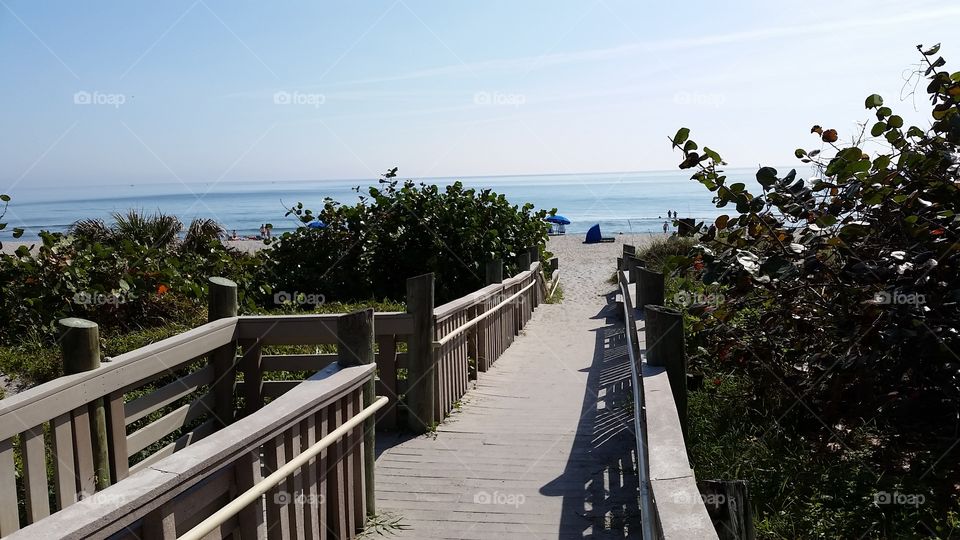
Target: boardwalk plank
(542, 447)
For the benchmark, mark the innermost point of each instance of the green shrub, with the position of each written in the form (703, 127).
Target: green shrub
(118, 283)
(400, 230)
(838, 313)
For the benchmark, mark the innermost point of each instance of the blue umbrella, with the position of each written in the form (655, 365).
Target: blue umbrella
(558, 219)
(317, 224)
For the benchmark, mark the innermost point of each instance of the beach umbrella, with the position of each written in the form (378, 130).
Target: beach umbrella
(558, 219)
(317, 224)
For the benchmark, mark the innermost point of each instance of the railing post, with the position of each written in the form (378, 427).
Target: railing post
(664, 341)
(222, 303)
(523, 261)
(649, 287)
(421, 373)
(355, 335)
(80, 345)
(494, 271)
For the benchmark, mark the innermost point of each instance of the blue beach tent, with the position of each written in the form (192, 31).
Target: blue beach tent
(594, 236)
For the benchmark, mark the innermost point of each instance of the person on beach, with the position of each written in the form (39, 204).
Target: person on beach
(269, 230)
(263, 231)
(665, 227)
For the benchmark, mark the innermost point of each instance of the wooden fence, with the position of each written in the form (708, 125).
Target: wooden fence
(670, 502)
(156, 439)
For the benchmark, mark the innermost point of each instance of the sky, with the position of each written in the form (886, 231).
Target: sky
(244, 90)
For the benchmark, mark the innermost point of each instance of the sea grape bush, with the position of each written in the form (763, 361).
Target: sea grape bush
(399, 230)
(135, 274)
(16, 232)
(819, 267)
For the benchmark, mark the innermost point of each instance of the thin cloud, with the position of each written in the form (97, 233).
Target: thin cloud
(527, 63)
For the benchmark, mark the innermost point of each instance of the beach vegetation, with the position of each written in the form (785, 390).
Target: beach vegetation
(399, 230)
(831, 362)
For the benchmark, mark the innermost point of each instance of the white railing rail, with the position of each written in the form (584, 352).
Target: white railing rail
(639, 421)
(250, 496)
(472, 322)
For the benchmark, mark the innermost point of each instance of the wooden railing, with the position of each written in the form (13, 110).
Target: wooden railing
(670, 503)
(478, 328)
(323, 499)
(96, 430)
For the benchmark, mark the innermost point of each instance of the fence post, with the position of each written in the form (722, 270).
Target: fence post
(80, 345)
(664, 341)
(355, 337)
(421, 373)
(631, 264)
(728, 504)
(649, 287)
(534, 252)
(523, 261)
(494, 271)
(222, 303)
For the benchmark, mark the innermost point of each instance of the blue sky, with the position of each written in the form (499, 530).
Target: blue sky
(137, 92)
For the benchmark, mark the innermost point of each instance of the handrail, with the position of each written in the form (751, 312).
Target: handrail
(250, 496)
(556, 281)
(447, 310)
(469, 324)
(646, 503)
(51, 399)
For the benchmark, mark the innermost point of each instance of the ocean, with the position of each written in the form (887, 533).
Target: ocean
(620, 202)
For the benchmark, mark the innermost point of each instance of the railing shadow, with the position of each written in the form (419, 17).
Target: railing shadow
(599, 484)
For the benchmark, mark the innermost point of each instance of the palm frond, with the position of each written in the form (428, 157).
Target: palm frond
(92, 230)
(156, 230)
(200, 233)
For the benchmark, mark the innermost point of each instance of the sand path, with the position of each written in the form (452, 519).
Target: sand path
(542, 445)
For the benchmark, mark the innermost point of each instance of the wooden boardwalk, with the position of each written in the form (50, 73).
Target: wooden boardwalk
(541, 446)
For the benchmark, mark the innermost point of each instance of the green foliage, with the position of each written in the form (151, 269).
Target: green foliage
(664, 254)
(400, 230)
(841, 317)
(17, 232)
(116, 277)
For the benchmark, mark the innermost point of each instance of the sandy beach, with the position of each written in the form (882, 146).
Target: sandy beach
(569, 246)
(585, 268)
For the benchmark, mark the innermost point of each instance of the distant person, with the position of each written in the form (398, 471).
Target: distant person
(665, 227)
(263, 231)
(234, 235)
(269, 230)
